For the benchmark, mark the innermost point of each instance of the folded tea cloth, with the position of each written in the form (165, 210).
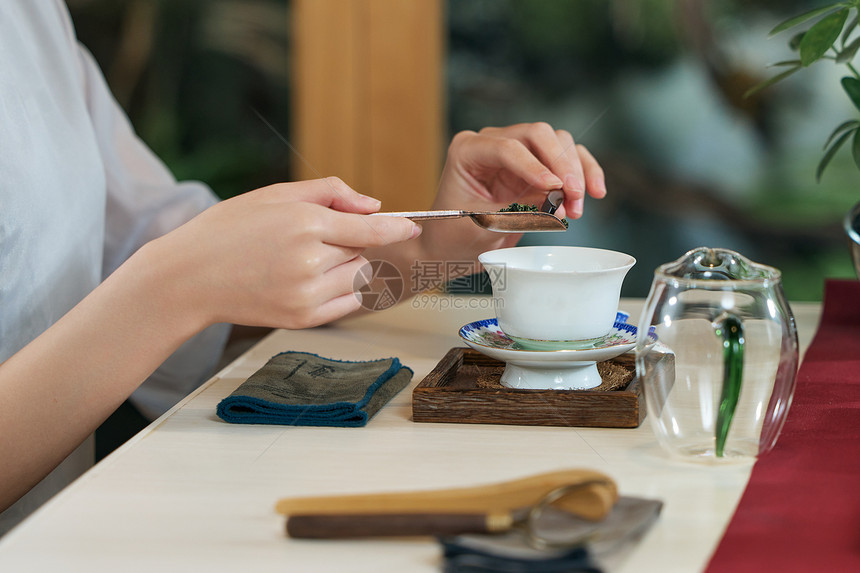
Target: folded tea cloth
(304, 389)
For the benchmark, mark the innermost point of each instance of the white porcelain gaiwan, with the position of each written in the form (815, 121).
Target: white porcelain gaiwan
(556, 297)
(556, 310)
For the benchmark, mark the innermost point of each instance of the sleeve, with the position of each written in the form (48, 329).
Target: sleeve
(144, 201)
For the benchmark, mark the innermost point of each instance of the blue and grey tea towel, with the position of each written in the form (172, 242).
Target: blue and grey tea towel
(303, 389)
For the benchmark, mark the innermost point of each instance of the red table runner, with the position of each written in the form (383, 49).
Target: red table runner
(801, 508)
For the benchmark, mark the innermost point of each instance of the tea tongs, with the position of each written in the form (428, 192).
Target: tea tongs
(501, 221)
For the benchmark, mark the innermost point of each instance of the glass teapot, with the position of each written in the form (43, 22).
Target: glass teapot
(719, 380)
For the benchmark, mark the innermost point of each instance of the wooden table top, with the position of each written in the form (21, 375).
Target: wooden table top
(194, 493)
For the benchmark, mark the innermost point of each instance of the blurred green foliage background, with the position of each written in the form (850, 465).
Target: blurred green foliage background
(652, 87)
(190, 74)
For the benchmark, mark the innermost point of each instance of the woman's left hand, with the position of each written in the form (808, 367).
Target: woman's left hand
(497, 166)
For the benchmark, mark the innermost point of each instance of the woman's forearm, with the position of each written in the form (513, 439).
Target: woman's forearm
(57, 390)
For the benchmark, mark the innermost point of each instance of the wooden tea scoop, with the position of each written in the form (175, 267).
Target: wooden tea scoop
(500, 221)
(492, 507)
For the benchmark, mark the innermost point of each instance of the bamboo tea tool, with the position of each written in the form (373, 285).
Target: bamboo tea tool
(494, 507)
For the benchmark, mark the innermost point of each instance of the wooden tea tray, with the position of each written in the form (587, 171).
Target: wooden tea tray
(464, 388)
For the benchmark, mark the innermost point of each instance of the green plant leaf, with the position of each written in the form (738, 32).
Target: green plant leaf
(801, 18)
(850, 27)
(821, 36)
(847, 53)
(794, 43)
(855, 148)
(785, 63)
(847, 125)
(828, 155)
(852, 88)
(770, 81)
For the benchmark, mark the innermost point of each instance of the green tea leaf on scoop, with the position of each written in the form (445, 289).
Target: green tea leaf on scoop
(516, 207)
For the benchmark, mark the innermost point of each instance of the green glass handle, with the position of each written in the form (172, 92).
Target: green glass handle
(731, 330)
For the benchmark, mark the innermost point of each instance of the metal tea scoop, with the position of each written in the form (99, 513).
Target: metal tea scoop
(554, 536)
(501, 221)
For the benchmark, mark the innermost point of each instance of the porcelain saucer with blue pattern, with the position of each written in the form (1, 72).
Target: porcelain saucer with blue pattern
(560, 369)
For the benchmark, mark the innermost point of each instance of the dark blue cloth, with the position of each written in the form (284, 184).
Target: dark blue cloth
(304, 389)
(463, 557)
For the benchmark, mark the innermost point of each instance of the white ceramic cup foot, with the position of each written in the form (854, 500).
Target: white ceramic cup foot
(579, 376)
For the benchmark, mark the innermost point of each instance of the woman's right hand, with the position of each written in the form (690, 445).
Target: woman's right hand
(285, 256)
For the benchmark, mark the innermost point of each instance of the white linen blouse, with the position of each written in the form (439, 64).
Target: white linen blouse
(79, 193)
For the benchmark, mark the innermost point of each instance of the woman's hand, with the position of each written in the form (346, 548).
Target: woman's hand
(488, 170)
(288, 255)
